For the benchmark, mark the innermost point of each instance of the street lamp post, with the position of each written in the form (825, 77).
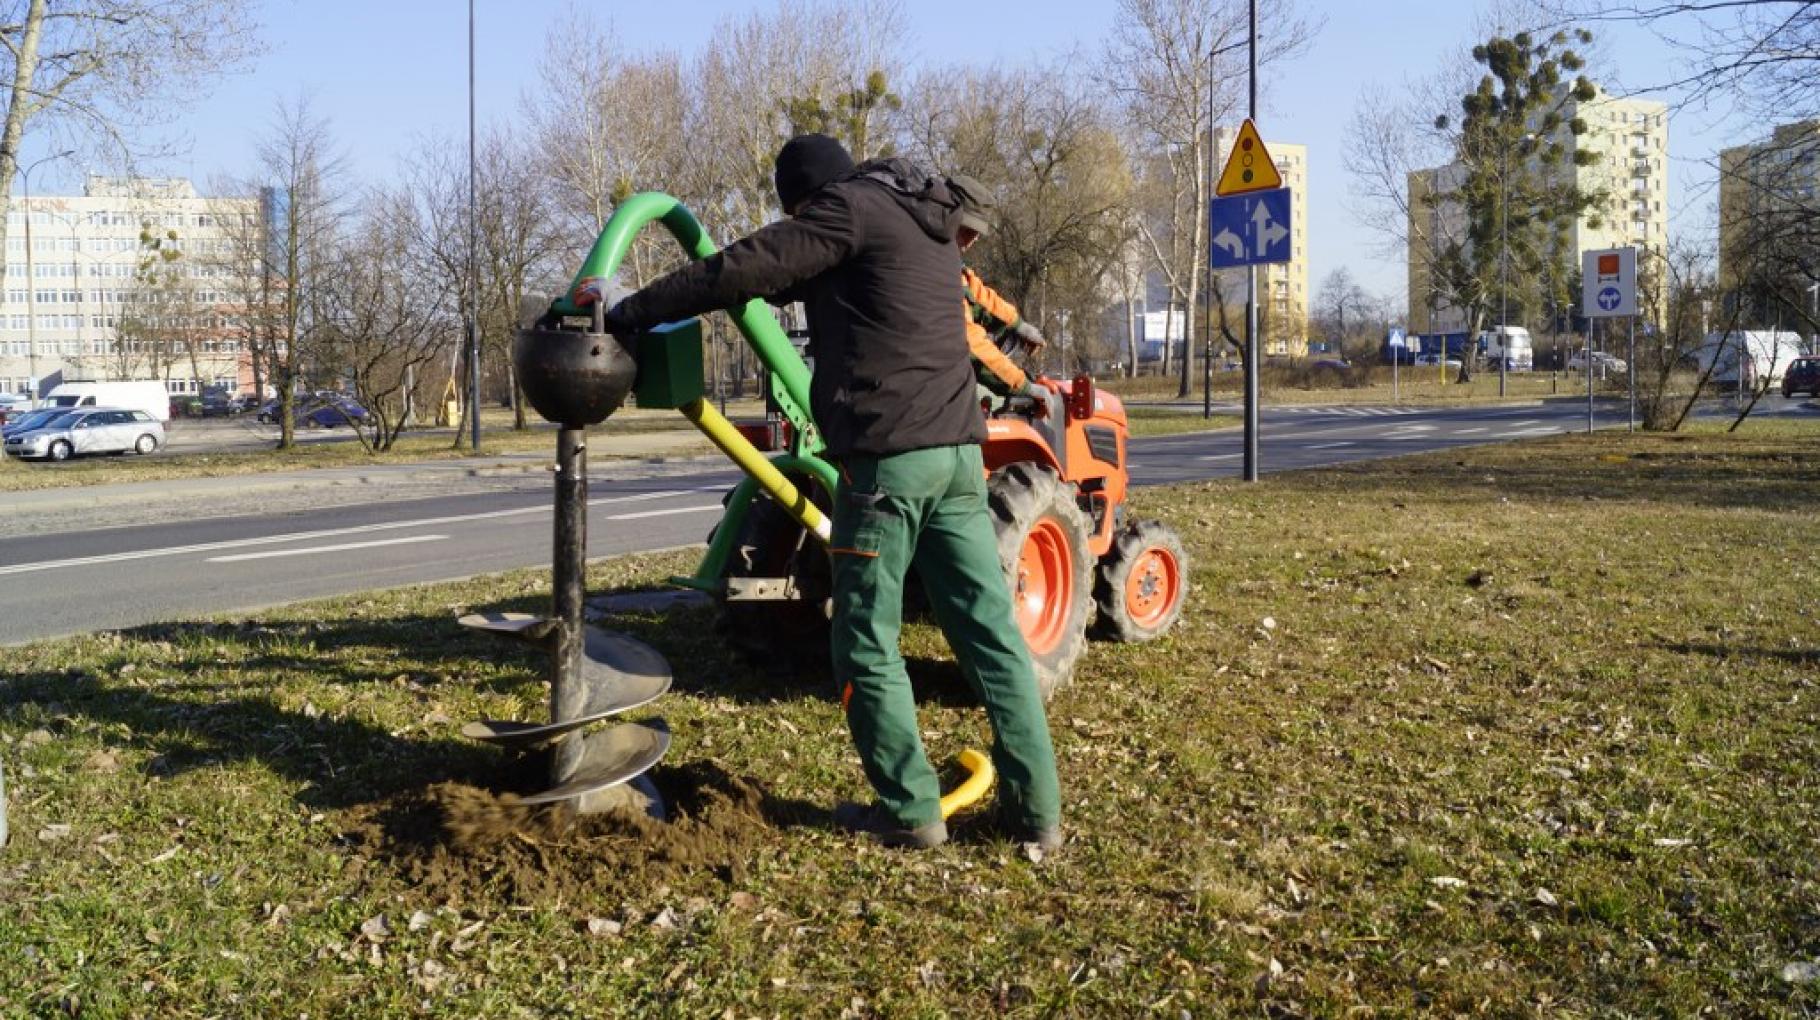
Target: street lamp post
(31, 282)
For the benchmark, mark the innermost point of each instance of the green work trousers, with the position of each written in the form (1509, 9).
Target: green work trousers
(928, 508)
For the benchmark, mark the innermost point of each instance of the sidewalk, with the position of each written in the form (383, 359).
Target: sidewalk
(636, 455)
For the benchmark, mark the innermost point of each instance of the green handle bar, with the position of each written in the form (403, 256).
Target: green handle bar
(789, 375)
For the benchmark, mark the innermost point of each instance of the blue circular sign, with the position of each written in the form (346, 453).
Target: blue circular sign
(1609, 298)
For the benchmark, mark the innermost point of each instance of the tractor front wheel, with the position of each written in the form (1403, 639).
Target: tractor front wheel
(1141, 583)
(1042, 547)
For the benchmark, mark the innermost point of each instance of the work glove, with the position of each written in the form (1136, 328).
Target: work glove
(588, 291)
(1029, 334)
(1038, 391)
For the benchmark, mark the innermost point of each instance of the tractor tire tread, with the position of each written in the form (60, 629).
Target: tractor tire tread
(1113, 621)
(1018, 495)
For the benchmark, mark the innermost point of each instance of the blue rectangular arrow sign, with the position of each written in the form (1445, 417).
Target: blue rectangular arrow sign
(1250, 229)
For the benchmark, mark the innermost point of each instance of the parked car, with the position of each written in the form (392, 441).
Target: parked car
(216, 404)
(1803, 376)
(328, 413)
(323, 410)
(89, 430)
(31, 420)
(1431, 360)
(1602, 363)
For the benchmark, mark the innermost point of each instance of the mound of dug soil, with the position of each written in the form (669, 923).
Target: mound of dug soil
(461, 844)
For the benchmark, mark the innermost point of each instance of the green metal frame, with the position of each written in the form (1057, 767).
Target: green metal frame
(788, 374)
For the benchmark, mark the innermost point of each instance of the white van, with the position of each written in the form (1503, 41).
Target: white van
(1758, 357)
(1497, 340)
(148, 396)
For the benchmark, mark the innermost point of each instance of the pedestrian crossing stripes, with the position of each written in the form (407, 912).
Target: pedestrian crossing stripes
(1349, 412)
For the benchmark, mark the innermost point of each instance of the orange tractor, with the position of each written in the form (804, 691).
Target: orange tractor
(1056, 490)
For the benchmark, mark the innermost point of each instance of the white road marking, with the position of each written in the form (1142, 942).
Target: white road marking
(665, 513)
(1328, 446)
(1219, 456)
(1412, 428)
(305, 536)
(313, 550)
(1468, 432)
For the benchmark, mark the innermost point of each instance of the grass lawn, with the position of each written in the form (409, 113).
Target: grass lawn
(1415, 386)
(1157, 421)
(1518, 730)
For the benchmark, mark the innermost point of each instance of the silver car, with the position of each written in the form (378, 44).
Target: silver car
(89, 430)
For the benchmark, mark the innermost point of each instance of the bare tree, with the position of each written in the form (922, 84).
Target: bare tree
(300, 175)
(1338, 297)
(607, 127)
(376, 323)
(87, 69)
(1063, 187)
(1170, 64)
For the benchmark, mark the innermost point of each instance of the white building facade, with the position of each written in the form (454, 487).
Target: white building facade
(135, 278)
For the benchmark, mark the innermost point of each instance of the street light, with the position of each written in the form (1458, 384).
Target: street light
(31, 282)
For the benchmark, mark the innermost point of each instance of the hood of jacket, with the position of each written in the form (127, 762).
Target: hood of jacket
(934, 207)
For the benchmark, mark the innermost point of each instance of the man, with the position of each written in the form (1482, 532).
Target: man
(870, 252)
(985, 310)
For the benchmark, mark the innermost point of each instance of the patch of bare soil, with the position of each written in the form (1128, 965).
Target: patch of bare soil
(460, 844)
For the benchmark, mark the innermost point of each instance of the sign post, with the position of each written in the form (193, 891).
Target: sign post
(1608, 289)
(1396, 345)
(1249, 169)
(1249, 225)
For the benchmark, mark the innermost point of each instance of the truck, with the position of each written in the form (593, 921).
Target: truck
(1751, 358)
(1445, 345)
(149, 396)
(1509, 345)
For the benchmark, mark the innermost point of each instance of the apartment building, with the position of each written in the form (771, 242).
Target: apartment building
(1767, 191)
(1282, 287)
(1630, 137)
(133, 279)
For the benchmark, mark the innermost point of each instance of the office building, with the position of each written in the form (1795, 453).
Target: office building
(135, 278)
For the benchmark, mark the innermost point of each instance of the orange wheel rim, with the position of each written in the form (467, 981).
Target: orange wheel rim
(1152, 587)
(1044, 588)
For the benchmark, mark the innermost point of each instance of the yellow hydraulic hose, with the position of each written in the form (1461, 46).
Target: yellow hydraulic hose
(978, 781)
(722, 433)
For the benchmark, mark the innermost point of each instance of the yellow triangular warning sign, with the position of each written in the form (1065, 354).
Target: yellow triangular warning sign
(1249, 168)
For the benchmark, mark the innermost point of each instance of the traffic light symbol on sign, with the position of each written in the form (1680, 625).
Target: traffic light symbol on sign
(1250, 167)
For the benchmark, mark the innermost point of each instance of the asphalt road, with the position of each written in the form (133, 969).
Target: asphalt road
(86, 579)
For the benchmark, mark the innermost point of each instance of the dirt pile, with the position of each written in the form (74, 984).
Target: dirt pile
(461, 844)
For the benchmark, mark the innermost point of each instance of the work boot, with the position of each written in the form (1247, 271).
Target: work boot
(872, 820)
(1047, 838)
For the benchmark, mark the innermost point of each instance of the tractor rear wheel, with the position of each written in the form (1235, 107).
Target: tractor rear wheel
(1042, 547)
(1141, 583)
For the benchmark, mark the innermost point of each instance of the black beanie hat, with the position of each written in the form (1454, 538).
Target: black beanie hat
(805, 164)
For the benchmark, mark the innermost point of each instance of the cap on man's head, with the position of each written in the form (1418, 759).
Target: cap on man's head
(805, 165)
(976, 203)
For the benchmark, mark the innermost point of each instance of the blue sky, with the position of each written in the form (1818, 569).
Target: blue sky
(384, 72)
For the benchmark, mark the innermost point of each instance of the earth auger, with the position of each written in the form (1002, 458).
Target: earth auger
(576, 374)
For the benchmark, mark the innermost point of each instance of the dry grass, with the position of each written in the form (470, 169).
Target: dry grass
(1519, 730)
